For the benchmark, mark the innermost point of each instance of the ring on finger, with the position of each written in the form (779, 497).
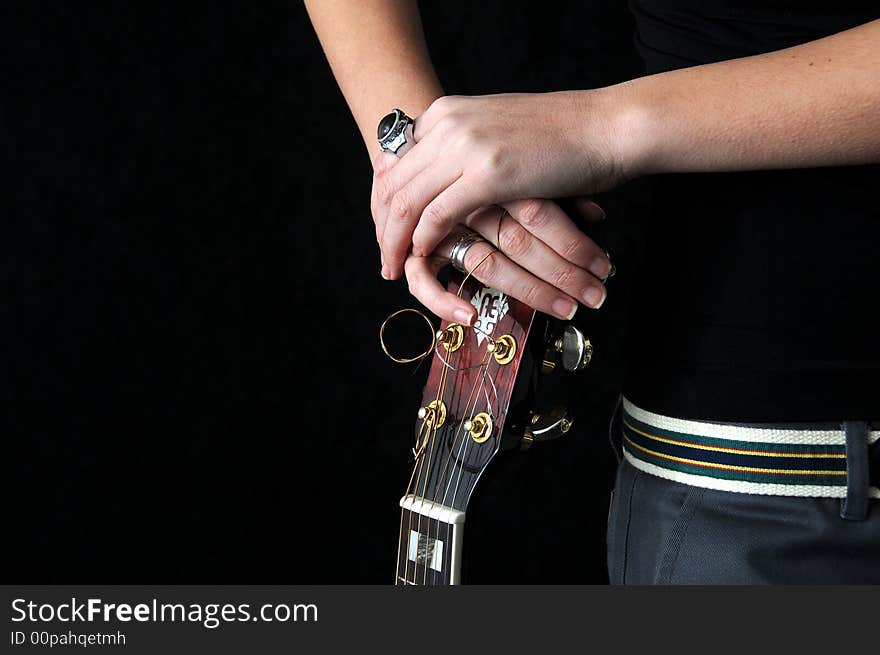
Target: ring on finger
(460, 249)
(611, 271)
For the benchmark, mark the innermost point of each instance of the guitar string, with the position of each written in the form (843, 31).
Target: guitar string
(462, 455)
(464, 446)
(480, 380)
(473, 452)
(403, 509)
(425, 565)
(463, 458)
(427, 473)
(435, 427)
(419, 451)
(407, 360)
(419, 468)
(472, 395)
(454, 401)
(419, 454)
(440, 391)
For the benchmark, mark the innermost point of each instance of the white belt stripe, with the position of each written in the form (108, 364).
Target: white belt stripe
(741, 486)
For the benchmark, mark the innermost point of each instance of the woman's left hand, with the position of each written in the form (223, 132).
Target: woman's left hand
(472, 152)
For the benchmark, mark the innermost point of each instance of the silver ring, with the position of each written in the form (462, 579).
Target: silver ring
(461, 247)
(395, 132)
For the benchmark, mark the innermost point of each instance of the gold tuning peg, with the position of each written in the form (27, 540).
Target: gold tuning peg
(451, 337)
(502, 349)
(479, 426)
(434, 414)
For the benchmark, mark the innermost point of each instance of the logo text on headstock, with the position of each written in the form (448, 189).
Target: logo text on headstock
(491, 306)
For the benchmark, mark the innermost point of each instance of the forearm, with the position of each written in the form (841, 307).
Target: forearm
(815, 104)
(378, 54)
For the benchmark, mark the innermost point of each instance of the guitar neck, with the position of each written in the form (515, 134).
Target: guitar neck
(430, 546)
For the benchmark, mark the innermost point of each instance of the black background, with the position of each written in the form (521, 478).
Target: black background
(194, 387)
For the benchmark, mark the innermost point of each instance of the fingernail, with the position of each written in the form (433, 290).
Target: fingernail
(564, 308)
(595, 206)
(595, 296)
(385, 273)
(462, 316)
(601, 268)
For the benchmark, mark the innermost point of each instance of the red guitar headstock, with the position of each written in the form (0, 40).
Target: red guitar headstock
(466, 406)
(467, 396)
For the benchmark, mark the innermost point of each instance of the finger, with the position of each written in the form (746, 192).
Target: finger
(421, 274)
(532, 254)
(493, 268)
(410, 206)
(546, 221)
(588, 208)
(378, 223)
(451, 206)
(593, 213)
(383, 163)
(404, 191)
(424, 153)
(436, 112)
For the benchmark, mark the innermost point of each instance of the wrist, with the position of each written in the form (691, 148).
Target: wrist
(628, 118)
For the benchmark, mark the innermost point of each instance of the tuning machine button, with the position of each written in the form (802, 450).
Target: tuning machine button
(570, 348)
(547, 425)
(451, 337)
(479, 427)
(502, 349)
(433, 414)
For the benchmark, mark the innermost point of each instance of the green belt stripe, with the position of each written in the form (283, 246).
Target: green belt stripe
(743, 476)
(781, 448)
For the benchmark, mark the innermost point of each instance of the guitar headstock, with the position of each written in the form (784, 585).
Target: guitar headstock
(467, 397)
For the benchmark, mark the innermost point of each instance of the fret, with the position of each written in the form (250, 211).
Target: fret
(432, 509)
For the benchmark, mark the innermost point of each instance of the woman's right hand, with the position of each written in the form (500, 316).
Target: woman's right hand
(543, 259)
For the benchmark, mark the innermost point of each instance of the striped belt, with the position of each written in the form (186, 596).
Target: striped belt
(757, 459)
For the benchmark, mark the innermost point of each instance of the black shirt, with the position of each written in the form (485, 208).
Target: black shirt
(756, 298)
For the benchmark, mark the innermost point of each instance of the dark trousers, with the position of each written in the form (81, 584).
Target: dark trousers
(665, 532)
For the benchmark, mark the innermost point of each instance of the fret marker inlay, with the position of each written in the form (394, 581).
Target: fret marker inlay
(423, 549)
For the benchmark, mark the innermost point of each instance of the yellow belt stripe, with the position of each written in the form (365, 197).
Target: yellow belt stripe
(735, 451)
(730, 467)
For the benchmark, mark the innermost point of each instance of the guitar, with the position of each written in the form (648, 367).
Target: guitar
(477, 401)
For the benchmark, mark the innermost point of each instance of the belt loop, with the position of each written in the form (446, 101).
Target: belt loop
(855, 506)
(614, 429)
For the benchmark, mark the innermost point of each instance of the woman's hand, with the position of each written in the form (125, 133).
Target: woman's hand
(547, 262)
(475, 152)
(528, 269)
